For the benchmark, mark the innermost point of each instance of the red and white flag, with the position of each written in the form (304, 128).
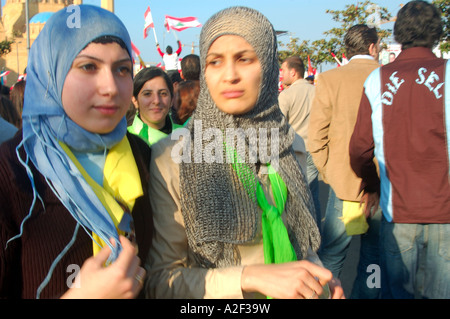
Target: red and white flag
(137, 55)
(148, 22)
(311, 70)
(180, 24)
(136, 52)
(344, 59)
(335, 57)
(5, 73)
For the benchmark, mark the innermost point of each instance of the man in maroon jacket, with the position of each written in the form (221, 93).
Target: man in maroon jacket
(404, 121)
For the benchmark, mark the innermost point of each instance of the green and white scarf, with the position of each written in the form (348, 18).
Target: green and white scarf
(221, 213)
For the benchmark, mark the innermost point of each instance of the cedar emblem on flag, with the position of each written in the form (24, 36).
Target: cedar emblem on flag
(180, 24)
(148, 22)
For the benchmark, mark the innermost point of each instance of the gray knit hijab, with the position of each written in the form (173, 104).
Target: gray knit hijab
(218, 211)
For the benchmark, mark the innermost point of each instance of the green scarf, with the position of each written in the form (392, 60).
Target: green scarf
(277, 246)
(147, 133)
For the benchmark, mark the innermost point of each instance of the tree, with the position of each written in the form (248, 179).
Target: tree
(5, 47)
(444, 6)
(361, 13)
(320, 50)
(293, 48)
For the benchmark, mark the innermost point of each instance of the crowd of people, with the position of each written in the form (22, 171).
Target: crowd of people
(160, 185)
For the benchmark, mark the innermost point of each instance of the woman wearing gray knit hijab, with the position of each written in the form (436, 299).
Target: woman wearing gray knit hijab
(232, 221)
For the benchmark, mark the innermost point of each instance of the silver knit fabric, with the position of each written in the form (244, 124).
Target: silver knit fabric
(218, 211)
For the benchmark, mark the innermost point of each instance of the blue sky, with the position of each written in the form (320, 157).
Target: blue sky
(304, 19)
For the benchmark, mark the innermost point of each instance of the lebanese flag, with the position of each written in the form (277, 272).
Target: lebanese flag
(344, 59)
(137, 55)
(311, 70)
(136, 51)
(180, 24)
(335, 57)
(148, 22)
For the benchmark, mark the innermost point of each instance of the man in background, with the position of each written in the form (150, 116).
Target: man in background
(170, 58)
(333, 117)
(295, 103)
(404, 121)
(190, 67)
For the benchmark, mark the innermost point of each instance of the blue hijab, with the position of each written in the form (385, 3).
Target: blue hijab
(45, 123)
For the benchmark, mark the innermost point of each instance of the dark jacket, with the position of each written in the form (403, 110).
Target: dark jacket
(25, 262)
(403, 120)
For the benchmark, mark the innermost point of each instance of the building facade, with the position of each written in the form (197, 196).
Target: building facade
(13, 28)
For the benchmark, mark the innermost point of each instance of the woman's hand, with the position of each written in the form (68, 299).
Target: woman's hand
(298, 279)
(122, 279)
(336, 289)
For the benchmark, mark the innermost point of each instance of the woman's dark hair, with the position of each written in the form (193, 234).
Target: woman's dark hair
(147, 74)
(174, 76)
(17, 96)
(105, 39)
(186, 99)
(9, 112)
(419, 24)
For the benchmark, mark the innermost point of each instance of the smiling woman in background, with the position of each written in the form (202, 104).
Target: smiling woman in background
(152, 98)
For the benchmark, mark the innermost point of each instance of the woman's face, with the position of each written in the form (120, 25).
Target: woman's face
(98, 87)
(233, 74)
(154, 101)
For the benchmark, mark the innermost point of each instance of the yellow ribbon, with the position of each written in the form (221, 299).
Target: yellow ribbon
(121, 183)
(353, 218)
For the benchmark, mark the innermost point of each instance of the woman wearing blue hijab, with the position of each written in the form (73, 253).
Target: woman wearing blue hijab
(74, 206)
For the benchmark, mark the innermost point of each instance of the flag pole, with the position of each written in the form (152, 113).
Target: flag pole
(154, 33)
(335, 57)
(175, 35)
(141, 62)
